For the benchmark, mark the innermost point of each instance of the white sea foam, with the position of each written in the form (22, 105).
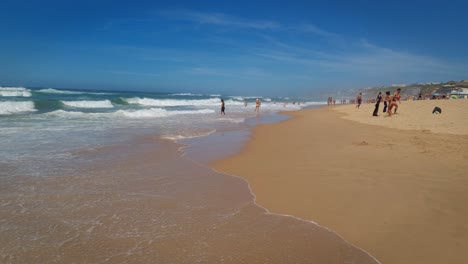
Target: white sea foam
(75, 114)
(187, 94)
(15, 91)
(159, 112)
(144, 113)
(232, 120)
(172, 102)
(11, 107)
(238, 98)
(188, 135)
(55, 91)
(280, 106)
(89, 104)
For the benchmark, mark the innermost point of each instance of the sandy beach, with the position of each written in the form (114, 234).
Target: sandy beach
(394, 186)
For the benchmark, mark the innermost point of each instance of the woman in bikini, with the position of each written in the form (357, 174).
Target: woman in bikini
(393, 103)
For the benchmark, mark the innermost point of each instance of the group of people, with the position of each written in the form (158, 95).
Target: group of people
(390, 102)
(332, 101)
(257, 106)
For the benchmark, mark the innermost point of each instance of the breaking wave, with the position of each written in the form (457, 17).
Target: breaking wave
(89, 104)
(12, 107)
(15, 91)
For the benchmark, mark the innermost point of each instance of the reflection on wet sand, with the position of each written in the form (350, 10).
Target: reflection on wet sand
(153, 206)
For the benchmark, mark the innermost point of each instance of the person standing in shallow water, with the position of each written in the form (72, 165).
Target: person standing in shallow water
(257, 105)
(222, 107)
(377, 103)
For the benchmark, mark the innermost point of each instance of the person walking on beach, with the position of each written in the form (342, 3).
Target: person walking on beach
(386, 101)
(393, 102)
(359, 100)
(222, 107)
(397, 97)
(377, 103)
(257, 105)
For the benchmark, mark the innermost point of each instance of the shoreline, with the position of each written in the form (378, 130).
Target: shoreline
(286, 178)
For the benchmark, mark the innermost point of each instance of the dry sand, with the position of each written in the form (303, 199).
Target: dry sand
(397, 188)
(416, 115)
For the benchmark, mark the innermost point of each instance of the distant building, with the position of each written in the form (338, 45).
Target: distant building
(460, 92)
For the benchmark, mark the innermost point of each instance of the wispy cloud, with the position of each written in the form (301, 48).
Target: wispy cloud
(311, 28)
(277, 51)
(363, 58)
(219, 19)
(225, 20)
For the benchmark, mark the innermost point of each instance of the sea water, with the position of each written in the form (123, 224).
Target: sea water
(101, 177)
(40, 127)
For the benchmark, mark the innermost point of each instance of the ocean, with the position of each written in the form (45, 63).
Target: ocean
(122, 177)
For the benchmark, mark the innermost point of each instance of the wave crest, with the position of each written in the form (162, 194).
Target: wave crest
(12, 107)
(89, 104)
(15, 91)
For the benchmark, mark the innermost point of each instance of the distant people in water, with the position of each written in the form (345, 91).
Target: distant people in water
(245, 102)
(222, 107)
(257, 105)
(359, 100)
(377, 103)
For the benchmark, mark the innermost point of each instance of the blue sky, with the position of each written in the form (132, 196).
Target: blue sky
(238, 47)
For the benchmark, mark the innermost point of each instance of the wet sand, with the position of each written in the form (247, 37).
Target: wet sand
(141, 202)
(396, 187)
